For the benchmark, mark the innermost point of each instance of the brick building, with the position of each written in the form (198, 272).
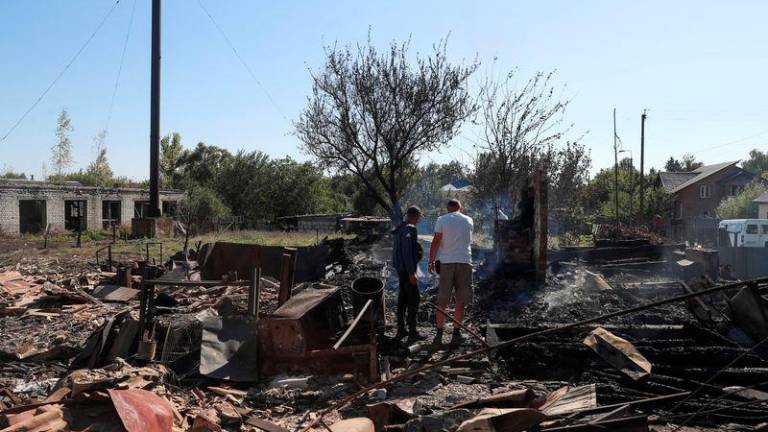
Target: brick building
(695, 197)
(29, 206)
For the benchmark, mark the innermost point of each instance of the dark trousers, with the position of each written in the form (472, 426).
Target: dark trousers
(407, 304)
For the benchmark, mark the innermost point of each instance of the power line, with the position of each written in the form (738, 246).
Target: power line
(63, 71)
(736, 141)
(242, 61)
(120, 68)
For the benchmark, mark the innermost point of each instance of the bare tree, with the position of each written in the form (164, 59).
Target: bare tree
(372, 113)
(520, 127)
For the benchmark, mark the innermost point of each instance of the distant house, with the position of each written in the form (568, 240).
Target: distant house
(460, 186)
(696, 195)
(762, 206)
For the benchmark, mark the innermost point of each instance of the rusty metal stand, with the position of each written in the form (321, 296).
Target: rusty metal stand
(287, 269)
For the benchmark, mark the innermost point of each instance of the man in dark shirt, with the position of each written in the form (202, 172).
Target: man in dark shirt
(406, 254)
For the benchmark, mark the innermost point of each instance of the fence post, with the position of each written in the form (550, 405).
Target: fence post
(254, 292)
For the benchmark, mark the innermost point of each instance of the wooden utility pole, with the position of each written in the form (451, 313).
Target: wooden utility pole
(615, 177)
(642, 166)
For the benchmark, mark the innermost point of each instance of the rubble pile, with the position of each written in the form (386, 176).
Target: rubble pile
(161, 348)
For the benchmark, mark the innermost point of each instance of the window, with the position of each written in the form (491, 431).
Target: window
(75, 214)
(705, 191)
(764, 229)
(734, 190)
(169, 208)
(110, 213)
(752, 229)
(140, 209)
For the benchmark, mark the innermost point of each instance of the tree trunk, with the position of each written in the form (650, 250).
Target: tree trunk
(396, 213)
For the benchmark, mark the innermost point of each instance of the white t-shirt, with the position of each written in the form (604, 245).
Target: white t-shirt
(455, 246)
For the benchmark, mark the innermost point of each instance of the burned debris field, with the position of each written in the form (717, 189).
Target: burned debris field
(628, 335)
(383, 216)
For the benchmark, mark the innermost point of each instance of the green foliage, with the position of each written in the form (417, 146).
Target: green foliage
(599, 197)
(10, 174)
(349, 193)
(171, 152)
(99, 169)
(688, 163)
(741, 206)
(83, 177)
(425, 191)
(248, 184)
(757, 163)
(202, 204)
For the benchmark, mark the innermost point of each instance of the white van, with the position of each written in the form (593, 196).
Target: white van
(743, 233)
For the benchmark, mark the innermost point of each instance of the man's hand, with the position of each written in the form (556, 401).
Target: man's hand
(413, 279)
(431, 266)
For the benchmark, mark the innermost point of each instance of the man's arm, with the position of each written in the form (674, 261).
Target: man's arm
(409, 255)
(438, 237)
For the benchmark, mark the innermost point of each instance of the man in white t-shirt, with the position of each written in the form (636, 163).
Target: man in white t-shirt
(453, 240)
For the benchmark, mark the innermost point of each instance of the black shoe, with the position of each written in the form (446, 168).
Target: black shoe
(456, 337)
(400, 334)
(438, 340)
(414, 334)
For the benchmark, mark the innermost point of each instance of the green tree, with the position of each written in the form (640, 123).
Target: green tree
(757, 163)
(9, 173)
(61, 158)
(99, 169)
(201, 205)
(425, 191)
(688, 163)
(243, 183)
(373, 113)
(171, 154)
(202, 166)
(598, 196)
(741, 205)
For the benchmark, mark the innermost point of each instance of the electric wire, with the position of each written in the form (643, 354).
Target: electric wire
(120, 67)
(61, 74)
(242, 60)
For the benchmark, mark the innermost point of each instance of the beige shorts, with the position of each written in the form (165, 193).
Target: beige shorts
(455, 280)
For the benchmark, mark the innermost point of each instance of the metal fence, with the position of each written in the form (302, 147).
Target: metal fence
(744, 262)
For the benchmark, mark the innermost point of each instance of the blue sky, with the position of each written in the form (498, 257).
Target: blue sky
(699, 67)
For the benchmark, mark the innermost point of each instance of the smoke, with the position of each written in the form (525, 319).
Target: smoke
(569, 288)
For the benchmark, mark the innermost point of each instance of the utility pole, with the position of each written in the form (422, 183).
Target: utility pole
(615, 178)
(642, 166)
(154, 116)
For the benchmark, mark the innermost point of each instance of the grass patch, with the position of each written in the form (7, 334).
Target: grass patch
(63, 244)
